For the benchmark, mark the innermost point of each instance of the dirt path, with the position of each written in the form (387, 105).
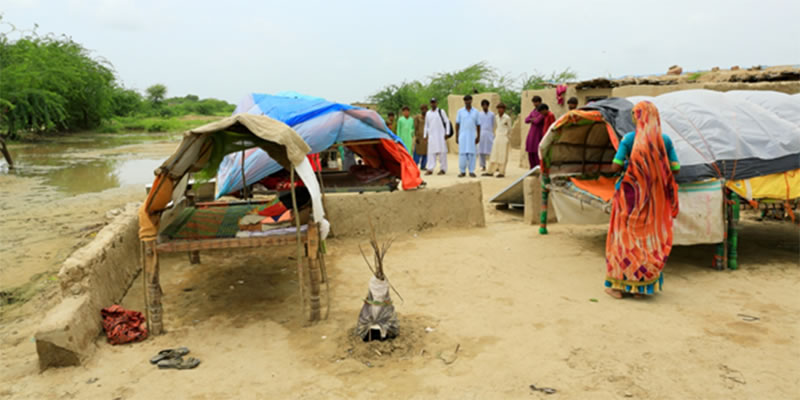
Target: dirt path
(520, 309)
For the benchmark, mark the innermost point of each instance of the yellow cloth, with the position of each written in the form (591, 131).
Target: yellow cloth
(781, 186)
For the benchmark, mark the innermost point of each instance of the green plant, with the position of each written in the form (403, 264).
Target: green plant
(480, 77)
(50, 83)
(156, 93)
(693, 77)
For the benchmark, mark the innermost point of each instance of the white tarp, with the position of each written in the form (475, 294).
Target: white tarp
(700, 220)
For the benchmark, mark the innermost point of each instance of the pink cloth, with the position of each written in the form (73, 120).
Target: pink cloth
(560, 90)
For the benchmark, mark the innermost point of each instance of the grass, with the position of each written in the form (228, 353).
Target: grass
(154, 124)
(693, 77)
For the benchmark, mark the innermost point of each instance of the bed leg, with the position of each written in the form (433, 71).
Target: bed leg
(152, 288)
(312, 256)
(543, 214)
(721, 257)
(194, 257)
(733, 231)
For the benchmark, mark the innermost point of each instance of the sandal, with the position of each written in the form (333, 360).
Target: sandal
(179, 363)
(169, 354)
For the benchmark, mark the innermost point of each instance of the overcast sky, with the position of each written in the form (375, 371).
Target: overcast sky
(346, 50)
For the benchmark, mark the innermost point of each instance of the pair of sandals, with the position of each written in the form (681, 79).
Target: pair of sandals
(173, 358)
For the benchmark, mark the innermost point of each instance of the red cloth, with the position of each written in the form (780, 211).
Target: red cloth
(560, 90)
(549, 119)
(123, 326)
(315, 163)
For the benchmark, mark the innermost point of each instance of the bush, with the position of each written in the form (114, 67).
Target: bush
(51, 83)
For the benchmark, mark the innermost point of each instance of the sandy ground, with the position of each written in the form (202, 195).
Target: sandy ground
(506, 308)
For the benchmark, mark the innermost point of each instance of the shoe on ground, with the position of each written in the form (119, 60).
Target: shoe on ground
(428, 172)
(472, 175)
(461, 175)
(442, 172)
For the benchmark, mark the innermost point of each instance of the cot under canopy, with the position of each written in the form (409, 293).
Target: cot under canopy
(168, 211)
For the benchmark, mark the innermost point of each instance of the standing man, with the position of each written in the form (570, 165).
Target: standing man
(468, 134)
(572, 103)
(405, 130)
(499, 158)
(437, 125)
(534, 133)
(420, 141)
(486, 122)
(390, 122)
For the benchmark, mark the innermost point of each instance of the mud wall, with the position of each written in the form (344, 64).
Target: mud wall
(93, 277)
(457, 206)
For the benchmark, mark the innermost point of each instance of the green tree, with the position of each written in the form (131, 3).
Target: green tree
(50, 83)
(125, 102)
(156, 94)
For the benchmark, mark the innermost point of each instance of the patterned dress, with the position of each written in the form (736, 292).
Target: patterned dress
(640, 233)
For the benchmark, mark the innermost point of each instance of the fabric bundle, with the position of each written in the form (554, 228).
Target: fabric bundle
(123, 326)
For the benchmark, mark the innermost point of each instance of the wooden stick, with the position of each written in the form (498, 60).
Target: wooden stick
(152, 289)
(299, 244)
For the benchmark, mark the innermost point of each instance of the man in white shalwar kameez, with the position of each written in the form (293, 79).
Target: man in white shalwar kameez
(437, 125)
(502, 146)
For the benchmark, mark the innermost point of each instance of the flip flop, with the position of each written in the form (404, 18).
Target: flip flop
(179, 363)
(168, 354)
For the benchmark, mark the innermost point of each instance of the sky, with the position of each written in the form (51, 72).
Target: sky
(347, 50)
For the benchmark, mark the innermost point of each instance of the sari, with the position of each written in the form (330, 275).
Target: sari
(640, 233)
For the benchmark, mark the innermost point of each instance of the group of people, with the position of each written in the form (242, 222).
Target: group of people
(480, 135)
(645, 200)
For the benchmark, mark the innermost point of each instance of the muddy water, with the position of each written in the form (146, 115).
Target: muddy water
(87, 163)
(58, 195)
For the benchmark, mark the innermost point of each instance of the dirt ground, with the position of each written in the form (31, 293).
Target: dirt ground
(487, 312)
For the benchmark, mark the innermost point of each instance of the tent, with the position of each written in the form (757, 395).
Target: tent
(167, 205)
(321, 124)
(733, 135)
(746, 141)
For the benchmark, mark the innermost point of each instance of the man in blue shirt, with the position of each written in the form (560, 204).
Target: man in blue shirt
(468, 134)
(624, 151)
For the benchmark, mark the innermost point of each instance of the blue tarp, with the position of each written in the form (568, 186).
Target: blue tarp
(319, 122)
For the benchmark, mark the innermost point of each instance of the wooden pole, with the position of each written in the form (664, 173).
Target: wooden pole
(6, 153)
(313, 270)
(300, 257)
(733, 231)
(152, 288)
(543, 214)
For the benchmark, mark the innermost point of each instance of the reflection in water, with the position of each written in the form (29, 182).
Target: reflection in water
(62, 167)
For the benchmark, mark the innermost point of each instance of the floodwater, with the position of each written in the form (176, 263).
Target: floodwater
(87, 163)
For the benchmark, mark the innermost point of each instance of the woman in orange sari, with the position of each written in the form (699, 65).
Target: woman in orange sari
(640, 233)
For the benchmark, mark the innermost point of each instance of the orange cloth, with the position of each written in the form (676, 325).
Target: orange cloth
(393, 157)
(640, 233)
(158, 198)
(602, 187)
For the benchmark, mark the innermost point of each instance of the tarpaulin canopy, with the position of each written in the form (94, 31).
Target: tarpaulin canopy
(202, 145)
(321, 124)
(733, 135)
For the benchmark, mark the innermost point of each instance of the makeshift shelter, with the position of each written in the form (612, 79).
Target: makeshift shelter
(170, 221)
(744, 141)
(322, 124)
